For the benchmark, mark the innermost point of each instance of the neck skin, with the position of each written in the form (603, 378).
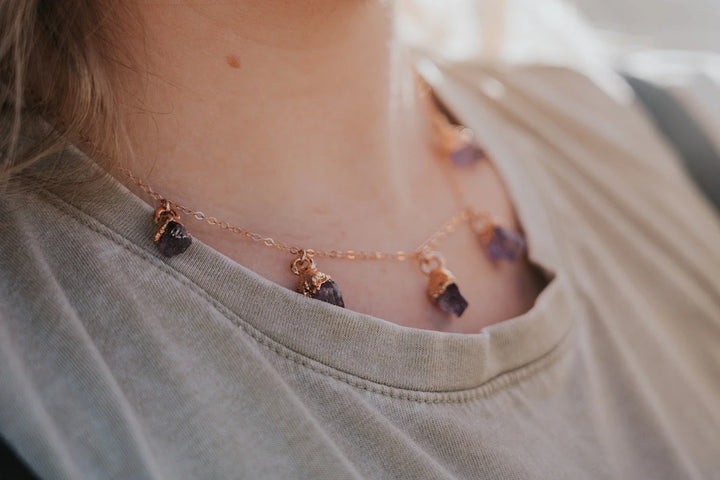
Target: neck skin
(299, 121)
(270, 113)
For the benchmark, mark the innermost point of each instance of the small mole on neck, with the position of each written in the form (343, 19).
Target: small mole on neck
(233, 61)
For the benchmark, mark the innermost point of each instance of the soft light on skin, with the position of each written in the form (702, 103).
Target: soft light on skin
(278, 90)
(297, 120)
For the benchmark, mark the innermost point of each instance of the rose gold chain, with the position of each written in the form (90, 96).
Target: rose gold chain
(464, 215)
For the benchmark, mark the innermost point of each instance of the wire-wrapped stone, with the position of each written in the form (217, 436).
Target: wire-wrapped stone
(171, 236)
(329, 292)
(444, 292)
(467, 154)
(499, 242)
(442, 288)
(174, 240)
(459, 146)
(505, 244)
(314, 283)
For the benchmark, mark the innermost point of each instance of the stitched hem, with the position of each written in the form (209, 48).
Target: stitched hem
(488, 388)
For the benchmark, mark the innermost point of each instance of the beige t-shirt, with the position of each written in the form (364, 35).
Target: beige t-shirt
(118, 363)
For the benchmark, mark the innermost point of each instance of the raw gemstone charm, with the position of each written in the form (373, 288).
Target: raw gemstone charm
(330, 293)
(451, 301)
(467, 154)
(171, 237)
(314, 283)
(444, 292)
(174, 240)
(505, 244)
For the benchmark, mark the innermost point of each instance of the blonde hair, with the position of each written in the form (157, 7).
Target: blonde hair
(58, 62)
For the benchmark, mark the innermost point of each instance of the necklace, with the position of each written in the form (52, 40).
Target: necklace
(455, 144)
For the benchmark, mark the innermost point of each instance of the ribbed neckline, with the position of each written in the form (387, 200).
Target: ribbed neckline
(355, 343)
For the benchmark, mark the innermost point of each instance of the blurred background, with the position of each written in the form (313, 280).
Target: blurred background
(671, 44)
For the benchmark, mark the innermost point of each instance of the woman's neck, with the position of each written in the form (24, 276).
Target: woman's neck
(270, 112)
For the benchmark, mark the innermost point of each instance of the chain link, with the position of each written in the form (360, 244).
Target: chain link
(466, 214)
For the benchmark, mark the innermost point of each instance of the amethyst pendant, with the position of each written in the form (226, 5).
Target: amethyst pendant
(444, 292)
(330, 293)
(171, 237)
(174, 240)
(505, 244)
(314, 283)
(467, 154)
(499, 242)
(459, 146)
(451, 301)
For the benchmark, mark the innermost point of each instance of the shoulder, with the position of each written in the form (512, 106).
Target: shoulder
(612, 185)
(568, 109)
(56, 256)
(586, 134)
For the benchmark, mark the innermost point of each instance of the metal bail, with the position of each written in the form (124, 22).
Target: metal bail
(314, 283)
(442, 288)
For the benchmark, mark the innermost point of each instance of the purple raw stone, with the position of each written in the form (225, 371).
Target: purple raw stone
(505, 244)
(330, 293)
(466, 155)
(174, 240)
(451, 301)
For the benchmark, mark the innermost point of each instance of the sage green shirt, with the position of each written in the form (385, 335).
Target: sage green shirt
(118, 363)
